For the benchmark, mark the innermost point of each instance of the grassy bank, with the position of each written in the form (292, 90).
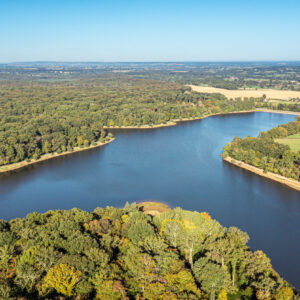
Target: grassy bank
(284, 180)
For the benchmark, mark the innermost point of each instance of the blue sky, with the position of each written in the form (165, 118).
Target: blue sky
(115, 30)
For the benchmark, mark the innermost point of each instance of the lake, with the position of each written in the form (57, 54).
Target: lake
(180, 166)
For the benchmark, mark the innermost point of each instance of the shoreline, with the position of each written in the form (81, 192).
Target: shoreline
(176, 121)
(292, 183)
(19, 165)
(285, 112)
(23, 164)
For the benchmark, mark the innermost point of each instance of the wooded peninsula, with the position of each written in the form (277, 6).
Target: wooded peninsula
(145, 251)
(270, 152)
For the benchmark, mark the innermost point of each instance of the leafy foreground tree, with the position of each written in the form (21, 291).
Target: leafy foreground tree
(128, 254)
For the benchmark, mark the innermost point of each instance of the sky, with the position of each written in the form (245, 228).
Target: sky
(155, 30)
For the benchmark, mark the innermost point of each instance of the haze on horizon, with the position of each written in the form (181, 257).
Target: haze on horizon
(136, 31)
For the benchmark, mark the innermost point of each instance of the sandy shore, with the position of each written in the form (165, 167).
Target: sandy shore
(270, 93)
(170, 123)
(23, 164)
(176, 121)
(284, 180)
(278, 111)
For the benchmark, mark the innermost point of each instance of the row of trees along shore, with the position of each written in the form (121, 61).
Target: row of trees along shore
(126, 254)
(265, 153)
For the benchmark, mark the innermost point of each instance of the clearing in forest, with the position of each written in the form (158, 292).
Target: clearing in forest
(293, 141)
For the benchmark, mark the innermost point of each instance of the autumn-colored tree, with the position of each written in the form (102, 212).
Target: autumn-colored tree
(222, 295)
(110, 290)
(285, 293)
(183, 285)
(61, 278)
(263, 295)
(154, 291)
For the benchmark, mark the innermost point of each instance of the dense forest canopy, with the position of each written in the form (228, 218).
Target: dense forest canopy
(264, 152)
(39, 118)
(127, 254)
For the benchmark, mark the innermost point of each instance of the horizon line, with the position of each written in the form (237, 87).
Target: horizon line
(147, 61)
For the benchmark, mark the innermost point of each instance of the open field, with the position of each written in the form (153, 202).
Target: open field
(293, 141)
(270, 93)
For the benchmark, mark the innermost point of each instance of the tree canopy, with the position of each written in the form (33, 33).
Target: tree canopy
(114, 253)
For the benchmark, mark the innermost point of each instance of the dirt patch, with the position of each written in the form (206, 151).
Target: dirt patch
(153, 208)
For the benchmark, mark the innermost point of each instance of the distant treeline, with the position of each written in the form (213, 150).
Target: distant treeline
(40, 118)
(265, 153)
(125, 254)
(237, 75)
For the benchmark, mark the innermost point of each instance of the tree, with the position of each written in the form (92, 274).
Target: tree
(110, 290)
(285, 293)
(213, 278)
(61, 278)
(183, 285)
(172, 230)
(154, 291)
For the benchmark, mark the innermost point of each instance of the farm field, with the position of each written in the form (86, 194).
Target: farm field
(293, 141)
(270, 93)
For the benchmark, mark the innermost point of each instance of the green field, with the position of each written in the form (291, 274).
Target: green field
(293, 141)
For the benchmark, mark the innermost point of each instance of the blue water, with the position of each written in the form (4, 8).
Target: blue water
(180, 166)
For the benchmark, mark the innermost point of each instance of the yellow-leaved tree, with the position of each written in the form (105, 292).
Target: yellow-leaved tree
(61, 278)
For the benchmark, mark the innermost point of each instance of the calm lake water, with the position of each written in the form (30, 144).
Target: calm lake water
(180, 166)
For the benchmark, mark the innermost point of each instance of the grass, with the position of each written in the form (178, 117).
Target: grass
(293, 141)
(294, 136)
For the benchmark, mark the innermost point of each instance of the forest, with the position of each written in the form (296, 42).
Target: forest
(265, 153)
(132, 253)
(38, 118)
